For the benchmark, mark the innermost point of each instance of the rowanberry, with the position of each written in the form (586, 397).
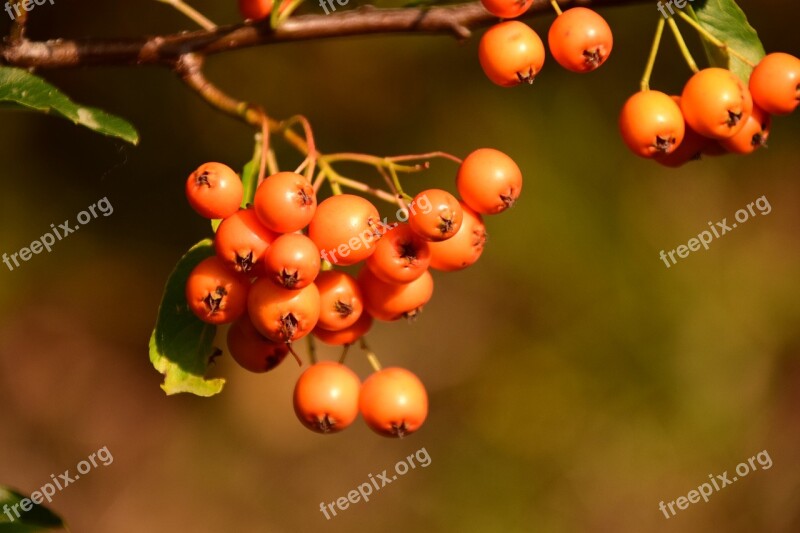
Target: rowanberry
(285, 202)
(440, 220)
(393, 402)
(489, 181)
(251, 350)
(326, 397)
(340, 300)
(775, 83)
(401, 256)
(242, 240)
(464, 248)
(511, 53)
(283, 315)
(580, 39)
(215, 293)
(716, 103)
(214, 190)
(292, 261)
(651, 124)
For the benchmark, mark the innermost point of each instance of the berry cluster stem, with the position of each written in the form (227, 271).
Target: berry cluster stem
(371, 357)
(312, 349)
(556, 7)
(197, 17)
(651, 60)
(687, 55)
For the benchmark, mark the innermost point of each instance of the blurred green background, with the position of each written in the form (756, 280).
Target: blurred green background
(575, 381)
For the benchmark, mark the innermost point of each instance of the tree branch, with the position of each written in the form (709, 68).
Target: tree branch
(166, 50)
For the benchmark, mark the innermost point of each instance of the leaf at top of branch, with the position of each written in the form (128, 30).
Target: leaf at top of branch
(726, 21)
(181, 346)
(39, 518)
(20, 89)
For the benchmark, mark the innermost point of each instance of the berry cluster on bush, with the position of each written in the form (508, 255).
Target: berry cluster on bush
(511, 52)
(717, 112)
(273, 281)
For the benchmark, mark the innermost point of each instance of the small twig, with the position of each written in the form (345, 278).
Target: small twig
(165, 50)
(18, 27)
(272, 163)
(429, 155)
(190, 12)
(262, 169)
(401, 200)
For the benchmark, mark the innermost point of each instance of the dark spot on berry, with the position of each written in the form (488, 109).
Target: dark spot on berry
(305, 197)
(663, 145)
(213, 300)
(445, 225)
(212, 359)
(527, 78)
(733, 119)
(344, 310)
(244, 263)
(202, 179)
(508, 199)
(399, 430)
(593, 58)
(288, 279)
(325, 424)
(759, 140)
(288, 326)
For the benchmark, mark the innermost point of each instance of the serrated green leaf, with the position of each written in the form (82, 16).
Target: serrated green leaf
(19, 89)
(181, 344)
(726, 21)
(39, 518)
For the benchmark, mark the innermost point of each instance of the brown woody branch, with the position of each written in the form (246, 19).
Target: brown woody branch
(166, 50)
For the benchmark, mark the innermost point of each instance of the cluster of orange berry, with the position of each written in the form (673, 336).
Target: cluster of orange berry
(511, 52)
(273, 276)
(717, 112)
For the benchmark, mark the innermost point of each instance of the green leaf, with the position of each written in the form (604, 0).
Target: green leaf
(39, 518)
(725, 20)
(181, 344)
(19, 89)
(250, 173)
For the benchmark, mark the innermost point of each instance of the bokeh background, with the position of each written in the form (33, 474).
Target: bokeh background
(575, 381)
